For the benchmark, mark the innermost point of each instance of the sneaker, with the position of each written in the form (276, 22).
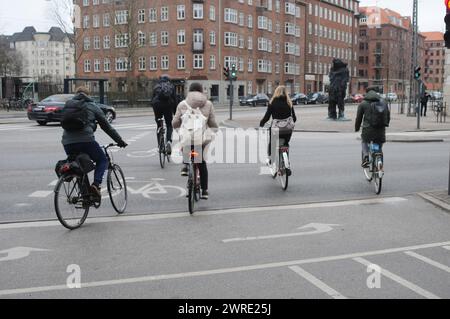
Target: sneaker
(204, 194)
(365, 162)
(184, 171)
(169, 148)
(96, 191)
(288, 172)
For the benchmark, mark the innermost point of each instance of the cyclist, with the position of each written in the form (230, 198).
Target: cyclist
(80, 138)
(280, 108)
(164, 103)
(373, 113)
(196, 99)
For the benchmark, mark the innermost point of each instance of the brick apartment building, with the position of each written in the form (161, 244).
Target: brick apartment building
(331, 33)
(271, 42)
(434, 60)
(385, 50)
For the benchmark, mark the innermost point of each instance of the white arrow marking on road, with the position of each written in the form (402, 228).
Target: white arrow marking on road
(18, 253)
(318, 229)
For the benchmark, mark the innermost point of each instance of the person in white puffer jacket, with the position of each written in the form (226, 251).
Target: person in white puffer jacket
(196, 99)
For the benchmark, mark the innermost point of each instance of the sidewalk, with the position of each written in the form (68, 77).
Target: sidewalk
(440, 198)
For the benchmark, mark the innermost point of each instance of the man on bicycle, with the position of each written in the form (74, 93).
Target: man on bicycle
(376, 115)
(164, 103)
(79, 121)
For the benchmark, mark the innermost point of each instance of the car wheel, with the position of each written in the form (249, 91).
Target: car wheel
(109, 116)
(42, 123)
(254, 104)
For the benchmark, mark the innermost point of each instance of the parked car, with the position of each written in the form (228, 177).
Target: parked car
(317, 98)
(354, 98)
(391, 97)
(50, 109)
(243, 99)
(435, 95)
(258, 99)
(299, 98)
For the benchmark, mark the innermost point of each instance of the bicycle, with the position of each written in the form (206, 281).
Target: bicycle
(374, 171)
(281, 166)
(193, 183)
(72, 191)
(162, 143)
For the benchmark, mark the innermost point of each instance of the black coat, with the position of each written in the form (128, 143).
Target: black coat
(369, 133)
(279, 109)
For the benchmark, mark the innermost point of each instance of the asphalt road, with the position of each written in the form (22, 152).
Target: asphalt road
(327, 236)
(325, 167)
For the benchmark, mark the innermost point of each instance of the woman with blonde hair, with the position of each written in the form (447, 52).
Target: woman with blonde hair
(280, 108)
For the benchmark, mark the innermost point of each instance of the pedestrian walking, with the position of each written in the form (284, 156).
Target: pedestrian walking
(339, 77)
(423, 104)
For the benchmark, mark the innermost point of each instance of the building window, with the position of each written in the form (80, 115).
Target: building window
(141, 38)
(198, 10)
(87, 43)
(142, 64)
(198, 61)
(106, 42)
(231, 15)
(122, 64)
(181, 62)
(164, 38)
(212, 62)
(181, 12)
(181, 37)
(164, 13)
(212, 13)
(96, 65)
(106, 22)
(121, 17)
(212, 38)
(106, 65)
(141, 16)
(153, 39)
(165, 62)
(97, 42)
(87, 66)
(153, 63)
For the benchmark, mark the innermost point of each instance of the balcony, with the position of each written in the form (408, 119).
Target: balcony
(198, 47)
(377, 66)
(378, 52)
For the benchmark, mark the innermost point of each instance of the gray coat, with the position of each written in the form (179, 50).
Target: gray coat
(95, 115)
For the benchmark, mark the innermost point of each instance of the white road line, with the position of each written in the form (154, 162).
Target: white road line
(53, 183)
(220, 270)
(124, 218)
(405, 283)
(446, 247)
(317, 282)
(40, 194)
(428, 261)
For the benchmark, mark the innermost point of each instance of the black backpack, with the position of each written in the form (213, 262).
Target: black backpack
(378, 115)
(75, 116)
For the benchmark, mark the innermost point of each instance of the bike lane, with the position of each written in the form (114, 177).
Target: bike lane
(265, 252)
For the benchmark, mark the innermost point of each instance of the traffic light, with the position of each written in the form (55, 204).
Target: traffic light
(234, 71)
(226, 72)
(447, 24)
(417, 72)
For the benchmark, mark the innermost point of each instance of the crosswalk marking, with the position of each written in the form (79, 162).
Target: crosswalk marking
(428, 261)
(317, 282)
(33, 127)
(405, 283)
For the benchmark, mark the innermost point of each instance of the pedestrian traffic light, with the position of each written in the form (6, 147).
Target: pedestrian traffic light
(417, 72)
(234, 71)
(447, 24)
(226, 72)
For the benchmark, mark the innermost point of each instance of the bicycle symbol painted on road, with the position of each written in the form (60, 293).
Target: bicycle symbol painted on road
(155, 190)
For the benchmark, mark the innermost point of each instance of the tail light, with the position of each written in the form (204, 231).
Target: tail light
(65, 168)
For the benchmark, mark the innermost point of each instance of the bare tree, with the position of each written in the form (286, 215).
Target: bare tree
(11, 61)
(67, 16)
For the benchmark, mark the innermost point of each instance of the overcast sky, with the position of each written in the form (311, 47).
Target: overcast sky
(17, 14)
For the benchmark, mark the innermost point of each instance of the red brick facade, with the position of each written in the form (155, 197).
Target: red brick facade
(434, 60)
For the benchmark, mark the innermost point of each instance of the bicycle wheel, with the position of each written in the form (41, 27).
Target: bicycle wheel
(191, 189)
(70, 205)
(117, 188)
(282, 174)
(377, 176)
(162, 150)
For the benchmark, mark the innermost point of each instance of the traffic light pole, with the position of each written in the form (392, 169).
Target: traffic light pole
(231, 98)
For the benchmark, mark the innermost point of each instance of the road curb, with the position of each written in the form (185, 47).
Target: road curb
(434, 140)
(435, 201)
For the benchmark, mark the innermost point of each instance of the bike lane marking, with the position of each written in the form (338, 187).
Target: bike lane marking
(355, 256)
(287, 208)
(428, 261)
(317, 282)
(405, 283)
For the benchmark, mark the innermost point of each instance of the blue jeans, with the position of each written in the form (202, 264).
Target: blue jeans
(95, 152)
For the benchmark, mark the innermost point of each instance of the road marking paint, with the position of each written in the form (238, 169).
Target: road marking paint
(40, 194)
(446, 247)
(22, 205)
(124, 218)
(317, 282)
(53, 183)
(405, 283)
(220, 270)
(428, 261)
(317, 229)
